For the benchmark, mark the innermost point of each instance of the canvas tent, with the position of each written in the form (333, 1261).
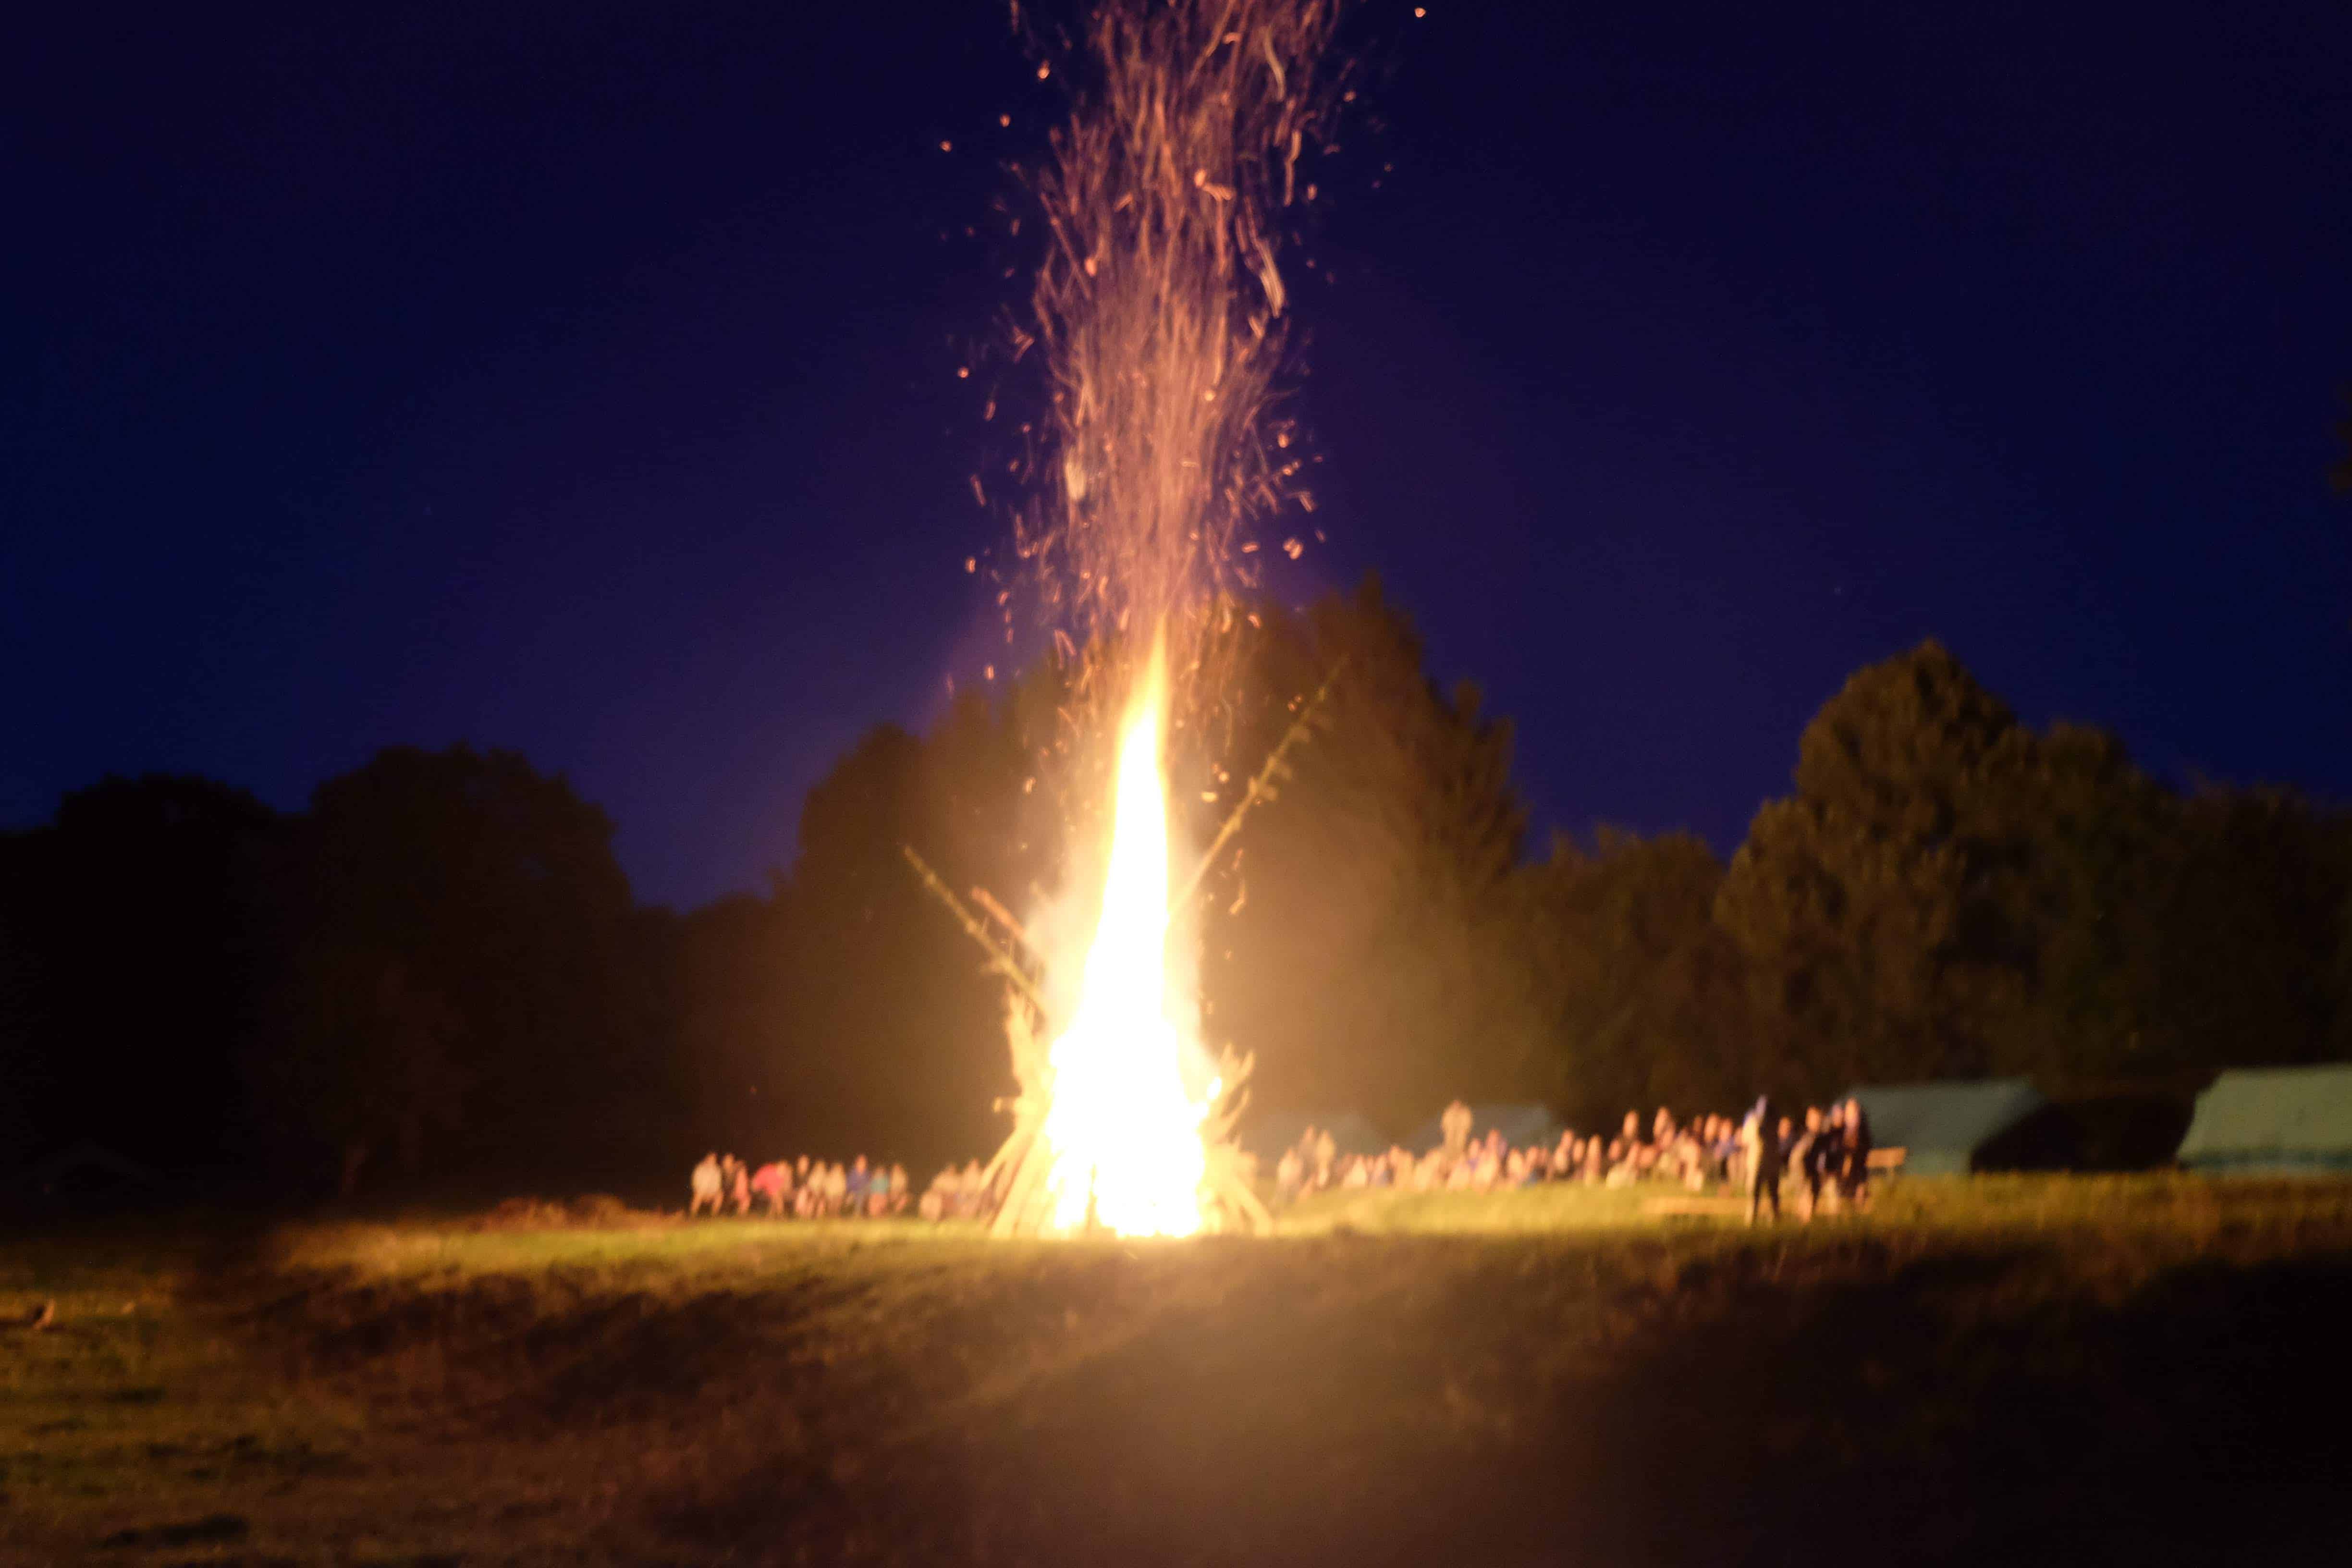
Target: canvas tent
(1522, 1126)
(2272, 1119)
(1268, 1136)
(1952, 1126)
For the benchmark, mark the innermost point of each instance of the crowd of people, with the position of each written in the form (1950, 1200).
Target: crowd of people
(803, 1189)
(808, 1188)
(1824, 1157)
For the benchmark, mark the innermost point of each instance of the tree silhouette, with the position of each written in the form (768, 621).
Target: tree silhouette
(438, 969)
(364, 1060)
(470, 884)
(1867, 905)
(127, 965)
(1647, 991)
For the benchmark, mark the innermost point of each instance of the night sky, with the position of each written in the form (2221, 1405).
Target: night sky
(582, 379)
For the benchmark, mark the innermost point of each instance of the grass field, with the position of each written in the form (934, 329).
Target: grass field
(2043, 1369)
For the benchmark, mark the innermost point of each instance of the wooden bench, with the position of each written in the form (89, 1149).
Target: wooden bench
(1886, 1162)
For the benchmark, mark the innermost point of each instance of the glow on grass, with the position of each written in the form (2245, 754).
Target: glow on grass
(1123, 1134)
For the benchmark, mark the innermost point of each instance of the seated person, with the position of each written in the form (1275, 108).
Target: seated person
(1289, 1175)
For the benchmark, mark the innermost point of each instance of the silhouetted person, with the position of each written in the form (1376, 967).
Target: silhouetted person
(1759, 1142)
(1806, 1153)
(1853, 1181)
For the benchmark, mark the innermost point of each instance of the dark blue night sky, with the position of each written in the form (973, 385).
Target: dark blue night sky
(581, 379)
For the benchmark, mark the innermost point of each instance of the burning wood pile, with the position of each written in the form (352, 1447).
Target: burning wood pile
(1158, 316)
(1052, 1168)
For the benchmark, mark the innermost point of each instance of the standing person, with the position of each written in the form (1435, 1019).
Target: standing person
(1760, 1144)
(1829, 1156)
(1787, 1139)
(1455, 1124)
(1853, 1184)
(1288, 1172)
(1326, 1151)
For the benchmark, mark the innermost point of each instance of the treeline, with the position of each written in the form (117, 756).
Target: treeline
(436, 973)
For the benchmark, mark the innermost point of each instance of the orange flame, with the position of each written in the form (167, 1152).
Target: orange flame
(1123, 1131)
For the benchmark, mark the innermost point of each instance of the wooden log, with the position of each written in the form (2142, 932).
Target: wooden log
(1013, 1217)
(1228, 1184)
(998, 959)
(987, 901)
(1261, 787)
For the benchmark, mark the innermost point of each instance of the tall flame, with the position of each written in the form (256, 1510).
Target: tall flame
(1123, 1132)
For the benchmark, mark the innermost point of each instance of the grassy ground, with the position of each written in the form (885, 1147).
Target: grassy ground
(2047, 1369)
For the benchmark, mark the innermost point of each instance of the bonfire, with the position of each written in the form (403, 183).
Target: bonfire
(1158, 316)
